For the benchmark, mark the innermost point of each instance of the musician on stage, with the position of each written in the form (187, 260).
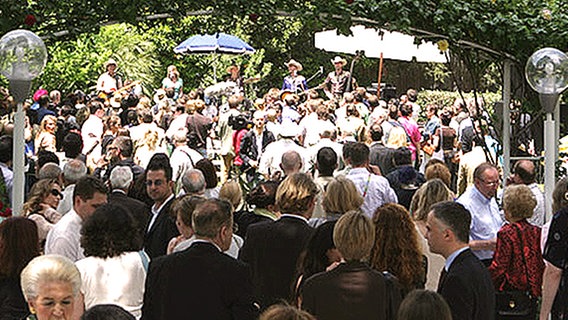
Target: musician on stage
(109, 81)
(336, 82)
(235, 76)
(294, 82)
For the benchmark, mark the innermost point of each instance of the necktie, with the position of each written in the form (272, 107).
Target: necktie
(442, 278)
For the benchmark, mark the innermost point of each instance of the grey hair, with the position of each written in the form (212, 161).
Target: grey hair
(74, 170)
(49, 268)
(49, 170)
(193, 181)
(121, 177)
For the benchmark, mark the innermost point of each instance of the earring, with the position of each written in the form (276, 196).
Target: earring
(32, 310)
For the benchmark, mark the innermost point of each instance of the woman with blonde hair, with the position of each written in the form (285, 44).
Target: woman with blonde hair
(231, 191)
(430, 193)
(149, 145)
(45, 138)
(352, 127)
(173, 81)
(112, 126)
(41, 206)
(396, 248)
(517, 263)
(397, 138)
(340, 196)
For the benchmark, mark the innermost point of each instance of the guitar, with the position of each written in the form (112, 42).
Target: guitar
(116, 94)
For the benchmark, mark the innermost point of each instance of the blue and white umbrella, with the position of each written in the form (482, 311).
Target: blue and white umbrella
(216, 43)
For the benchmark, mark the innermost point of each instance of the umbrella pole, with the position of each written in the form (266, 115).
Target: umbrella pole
(380, 76)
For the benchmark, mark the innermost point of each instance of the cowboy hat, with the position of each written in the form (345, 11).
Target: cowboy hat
(295, 63)
(109, 62)
(339, 59)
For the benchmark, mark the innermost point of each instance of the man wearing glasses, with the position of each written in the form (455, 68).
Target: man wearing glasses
(159, 186)
(486, 220)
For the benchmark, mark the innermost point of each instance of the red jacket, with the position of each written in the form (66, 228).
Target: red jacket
(237, 137)
(508, 269)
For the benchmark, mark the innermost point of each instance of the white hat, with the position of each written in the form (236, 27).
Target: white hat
(109, 62)
(339, 59)
(295, 63)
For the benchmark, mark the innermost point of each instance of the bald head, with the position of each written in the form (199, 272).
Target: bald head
(525, 171)
(291, 162)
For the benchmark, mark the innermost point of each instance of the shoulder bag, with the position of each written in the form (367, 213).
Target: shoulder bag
(516, 304)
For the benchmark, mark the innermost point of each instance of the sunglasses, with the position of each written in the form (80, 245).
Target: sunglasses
(56, 193)
(156, 183)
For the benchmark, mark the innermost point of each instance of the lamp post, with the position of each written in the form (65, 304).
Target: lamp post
(547, 73)
(22, 58)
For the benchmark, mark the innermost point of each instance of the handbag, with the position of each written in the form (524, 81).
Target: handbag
(515, 303)
(428, 149)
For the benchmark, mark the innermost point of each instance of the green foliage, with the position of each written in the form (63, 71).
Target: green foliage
(447, 98)
(77, 64)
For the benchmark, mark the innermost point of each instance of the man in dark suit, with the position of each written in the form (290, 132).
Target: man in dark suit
(120, 181)
(465, 282)
(250, 151)
(159, 185)
(201, 282)
(272, 248)
(380, 155)
(352, 290)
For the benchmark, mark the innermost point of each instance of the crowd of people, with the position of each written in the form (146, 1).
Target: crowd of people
(214, 207)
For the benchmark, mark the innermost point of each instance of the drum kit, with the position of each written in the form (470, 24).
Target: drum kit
(227, 88)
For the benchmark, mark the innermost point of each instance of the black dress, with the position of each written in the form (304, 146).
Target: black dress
(12, 303)
(556, 253)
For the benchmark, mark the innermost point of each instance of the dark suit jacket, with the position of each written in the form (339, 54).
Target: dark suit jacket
(198, 283)
(248, 150)
(138, 209)
(382, 156)
(272, 250)
(350, 291)
(468, 289)
(162, 231)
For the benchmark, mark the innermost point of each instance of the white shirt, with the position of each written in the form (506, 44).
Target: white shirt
(272, 156)
(233, 251)
(92, 132)
(117, 280)
(66, 203)
(156, 211)
(178, 123)
(181, 162)
(8, 179)
(485, 218)
(374, 189)
(65, 237)
(538, 213)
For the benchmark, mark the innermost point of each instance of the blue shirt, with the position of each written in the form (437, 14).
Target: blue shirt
(452, 257)
(485, 218)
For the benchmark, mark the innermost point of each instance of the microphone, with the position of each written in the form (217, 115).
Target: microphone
(321, 69)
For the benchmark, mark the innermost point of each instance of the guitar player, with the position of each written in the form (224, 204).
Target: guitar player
(109, 81)
(337, 81)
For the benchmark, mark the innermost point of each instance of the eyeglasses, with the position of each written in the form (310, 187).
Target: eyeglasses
(157, 183)
(56, 193)
(490, 183)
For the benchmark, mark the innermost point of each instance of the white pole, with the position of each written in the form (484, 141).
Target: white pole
(549, 163)
(19, 90)
(18, 161)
